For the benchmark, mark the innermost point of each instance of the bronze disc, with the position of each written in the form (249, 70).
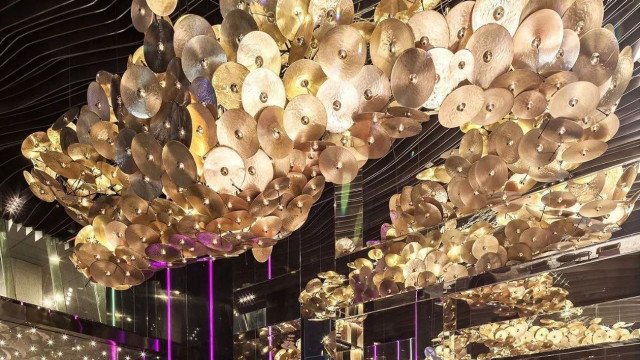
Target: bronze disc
(413, 78)
(179, 164)
(472, 145)
(272, 136)
(373, 87)
(562, 130)
(430, 29)
(259, 171)
(302, 40)
(575, 100)
(258, 50)
(147, 154)
(400, 128)
(186, 28)
(485, 244)
(235, 25)
(205, 200)
(158, 45)
(342, 52)
(338, 165)
(262, 88)
(227, 83)
(584, 151)
(305, 118)
(457, 166)
(619, 80)
(514, 229)
(537, 40)
(492, 49)
(303, 76)
(97, 100)
(141, 91)
(203, 129)
(529, 104)
(107, 273)
(497, 104)
(290, 15)
(583, 15)
(224, 170)
(141, 15)
(163, 252)
(566, 57)
(162, 7)
(389, 39)
(488, 262)
(172, 122)
(238, 130)
(559, 199)
(519, 252)
(598, 56)
(462, 105)
(103, 138)
(537, 150)
(502, 12)
(340, 100)
(201, 56)
(453, 272)
(491, 173)
(459, 21)
(518, 81)
(535, 238)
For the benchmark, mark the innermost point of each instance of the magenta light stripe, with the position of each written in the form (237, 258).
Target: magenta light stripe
(169, 314)
(269, 268)
(114, 349)
(398, 349)
(270, 343)
(415, 326)
(375, 351)
(212, 329)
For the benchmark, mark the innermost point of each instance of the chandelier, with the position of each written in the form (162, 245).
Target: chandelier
(219, 139)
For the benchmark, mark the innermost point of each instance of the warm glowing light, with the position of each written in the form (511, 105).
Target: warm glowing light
(14, 204)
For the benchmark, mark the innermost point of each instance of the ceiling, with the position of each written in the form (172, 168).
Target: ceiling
(51, 50)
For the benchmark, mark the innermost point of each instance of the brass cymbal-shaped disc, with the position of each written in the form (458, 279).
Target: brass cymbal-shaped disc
(529, 104)
(85, 154)
(459, 21)
(163, 252)
(598, 56)
(491, 173)
(605, 129)
(262, 88)
(400, 128)
(259, 171)
(290, 15)
(514, 229)
(141, 15)
(179, 164)
(186, 28)
(258, 50)
(457, 166)
(305, 118)
(460, 67)
(492, 49)
(162, 7)
(262, 254)
(559, 199)
(267, 226)
(203, 129)
(519, 252)
(537, 40)
(158, 45)
(238, 130)
(176, 84)
(518, 81)
(462, 105)
(114, 232)
(427, 215)
(562, 130)
(485, 244)
(413, 77)
(272, 136)
(172, 122)
(328, 13)
(598, 208)
(619, 80)
(566, 57)
(62, 164)
(584, 151)
(583, 15)
(227, 83)
(38, 142)
(488, 262)
(103, 138)
(235, 25)
(201, 56)
(68, 117)
(497, 104)
(141, 91)
(107, 273)
(340, 100)
(342, 52)
(144, 186)
(375, 136)
(224, 170)
(502, 12)
(97, 100)
(147, 154)
(201, 90)
(537, 150)
(205, 200)
(453, 272)
(301, 43)
(430, 29)
(575, 100)
(314, 187)
(536, 238)
(389, 39)
(338, 165)
(227, 6)
(472, 145)
(303, 76)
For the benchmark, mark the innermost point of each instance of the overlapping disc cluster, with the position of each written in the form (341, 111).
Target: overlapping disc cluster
(427, 244)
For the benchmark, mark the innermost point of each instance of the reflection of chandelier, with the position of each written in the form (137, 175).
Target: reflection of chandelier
(219, 139)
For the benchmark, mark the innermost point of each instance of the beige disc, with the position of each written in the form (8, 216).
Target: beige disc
(262, 88)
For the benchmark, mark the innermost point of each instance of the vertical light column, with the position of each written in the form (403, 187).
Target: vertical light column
(56, 275)
(212, 329)
(169, 340)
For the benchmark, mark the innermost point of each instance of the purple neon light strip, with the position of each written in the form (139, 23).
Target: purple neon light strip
(169, 314)
(375, 352)
(270, 344)
(398, 349)
(415, 326)
(212, 329)
(269, 268)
